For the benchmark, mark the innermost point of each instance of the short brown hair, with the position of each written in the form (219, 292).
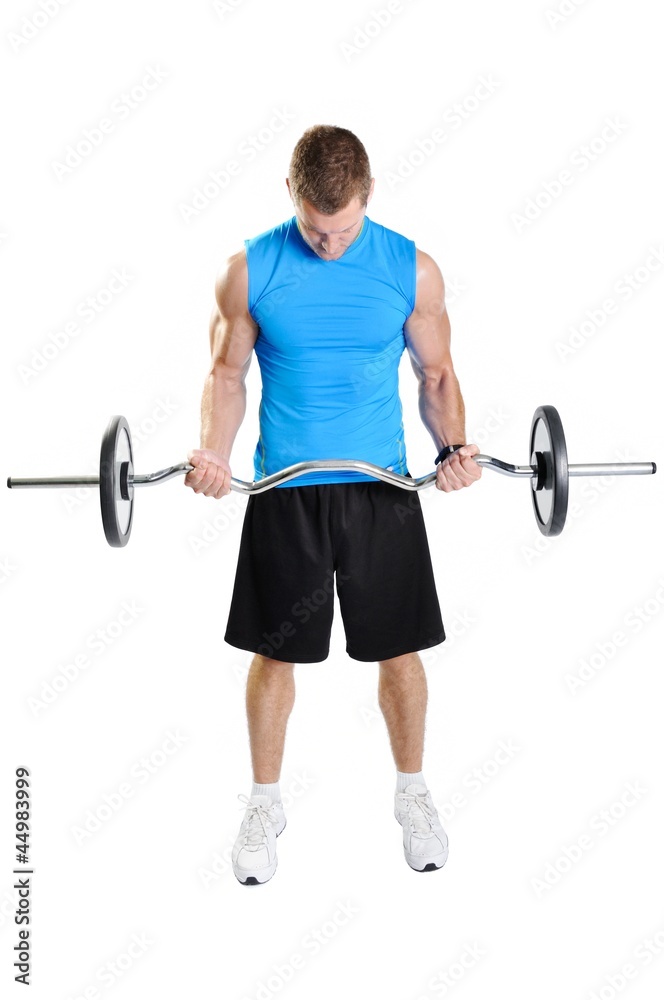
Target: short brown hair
(329, 167)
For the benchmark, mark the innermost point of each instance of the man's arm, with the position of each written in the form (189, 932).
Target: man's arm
(232, 337)
(428, 334)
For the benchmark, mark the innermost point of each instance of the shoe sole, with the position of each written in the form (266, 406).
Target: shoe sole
(431, 866)
(251, 879)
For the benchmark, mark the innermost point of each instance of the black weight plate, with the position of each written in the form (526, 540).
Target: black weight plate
(550, 491)
(115, 466)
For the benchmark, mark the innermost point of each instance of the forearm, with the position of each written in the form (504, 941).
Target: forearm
(442, 410)
(222, 411)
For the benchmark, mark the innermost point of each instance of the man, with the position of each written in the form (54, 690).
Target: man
(328, 301)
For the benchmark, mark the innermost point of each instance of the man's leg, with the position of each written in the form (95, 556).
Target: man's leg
(270, 699)
(287, 530)
(402, 696)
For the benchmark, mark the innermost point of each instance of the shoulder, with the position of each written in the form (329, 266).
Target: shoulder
(430, 287)
(390, 236)
(426, 266)
(398, 253)
(270, 237)
(232, 282)
(233, 269)
(429, 274)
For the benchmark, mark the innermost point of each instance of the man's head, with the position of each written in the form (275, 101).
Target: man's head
(331, 185)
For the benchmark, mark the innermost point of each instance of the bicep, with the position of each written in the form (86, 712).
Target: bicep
(427, 329)
(233, 332)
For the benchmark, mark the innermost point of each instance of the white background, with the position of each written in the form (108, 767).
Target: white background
(523, 612)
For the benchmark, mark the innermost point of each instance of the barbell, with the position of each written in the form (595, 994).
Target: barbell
(548, 473)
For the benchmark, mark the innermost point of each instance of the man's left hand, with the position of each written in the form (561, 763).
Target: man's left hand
(459, 469)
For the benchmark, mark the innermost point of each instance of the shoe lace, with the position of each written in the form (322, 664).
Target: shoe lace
(419, 810)
(257, 822)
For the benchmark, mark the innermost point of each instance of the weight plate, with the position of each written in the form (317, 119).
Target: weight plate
(116, 468)
(549, 451)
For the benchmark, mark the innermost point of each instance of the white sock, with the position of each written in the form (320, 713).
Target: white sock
(272, 791)
(404, 779)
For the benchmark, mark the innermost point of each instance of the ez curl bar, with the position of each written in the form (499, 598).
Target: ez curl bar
(548, 474)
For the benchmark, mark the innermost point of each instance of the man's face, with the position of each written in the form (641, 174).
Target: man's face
(329, 236)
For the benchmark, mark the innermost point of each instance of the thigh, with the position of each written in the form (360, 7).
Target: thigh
(282, 604)
(385, 580)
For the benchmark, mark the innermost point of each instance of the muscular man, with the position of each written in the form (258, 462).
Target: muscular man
(329, 300)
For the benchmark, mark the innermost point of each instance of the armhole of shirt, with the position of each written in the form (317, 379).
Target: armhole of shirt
(250, 294)
(413, 297)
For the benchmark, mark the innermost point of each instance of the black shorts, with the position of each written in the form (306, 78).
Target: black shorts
(297, 541)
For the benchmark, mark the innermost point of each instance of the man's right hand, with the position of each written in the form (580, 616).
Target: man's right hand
(211, 474)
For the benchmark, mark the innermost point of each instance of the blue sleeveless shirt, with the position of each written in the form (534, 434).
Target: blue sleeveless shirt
(330, 337)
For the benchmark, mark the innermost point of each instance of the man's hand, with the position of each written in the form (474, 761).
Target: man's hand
(211, 474)
(458, 470)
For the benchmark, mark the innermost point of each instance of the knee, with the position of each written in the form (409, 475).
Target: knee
(409, 662)
(401, 673)
(267, 662)
(268, 669)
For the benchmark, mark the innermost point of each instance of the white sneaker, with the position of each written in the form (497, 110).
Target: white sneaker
(424, 840)
(254, 856)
